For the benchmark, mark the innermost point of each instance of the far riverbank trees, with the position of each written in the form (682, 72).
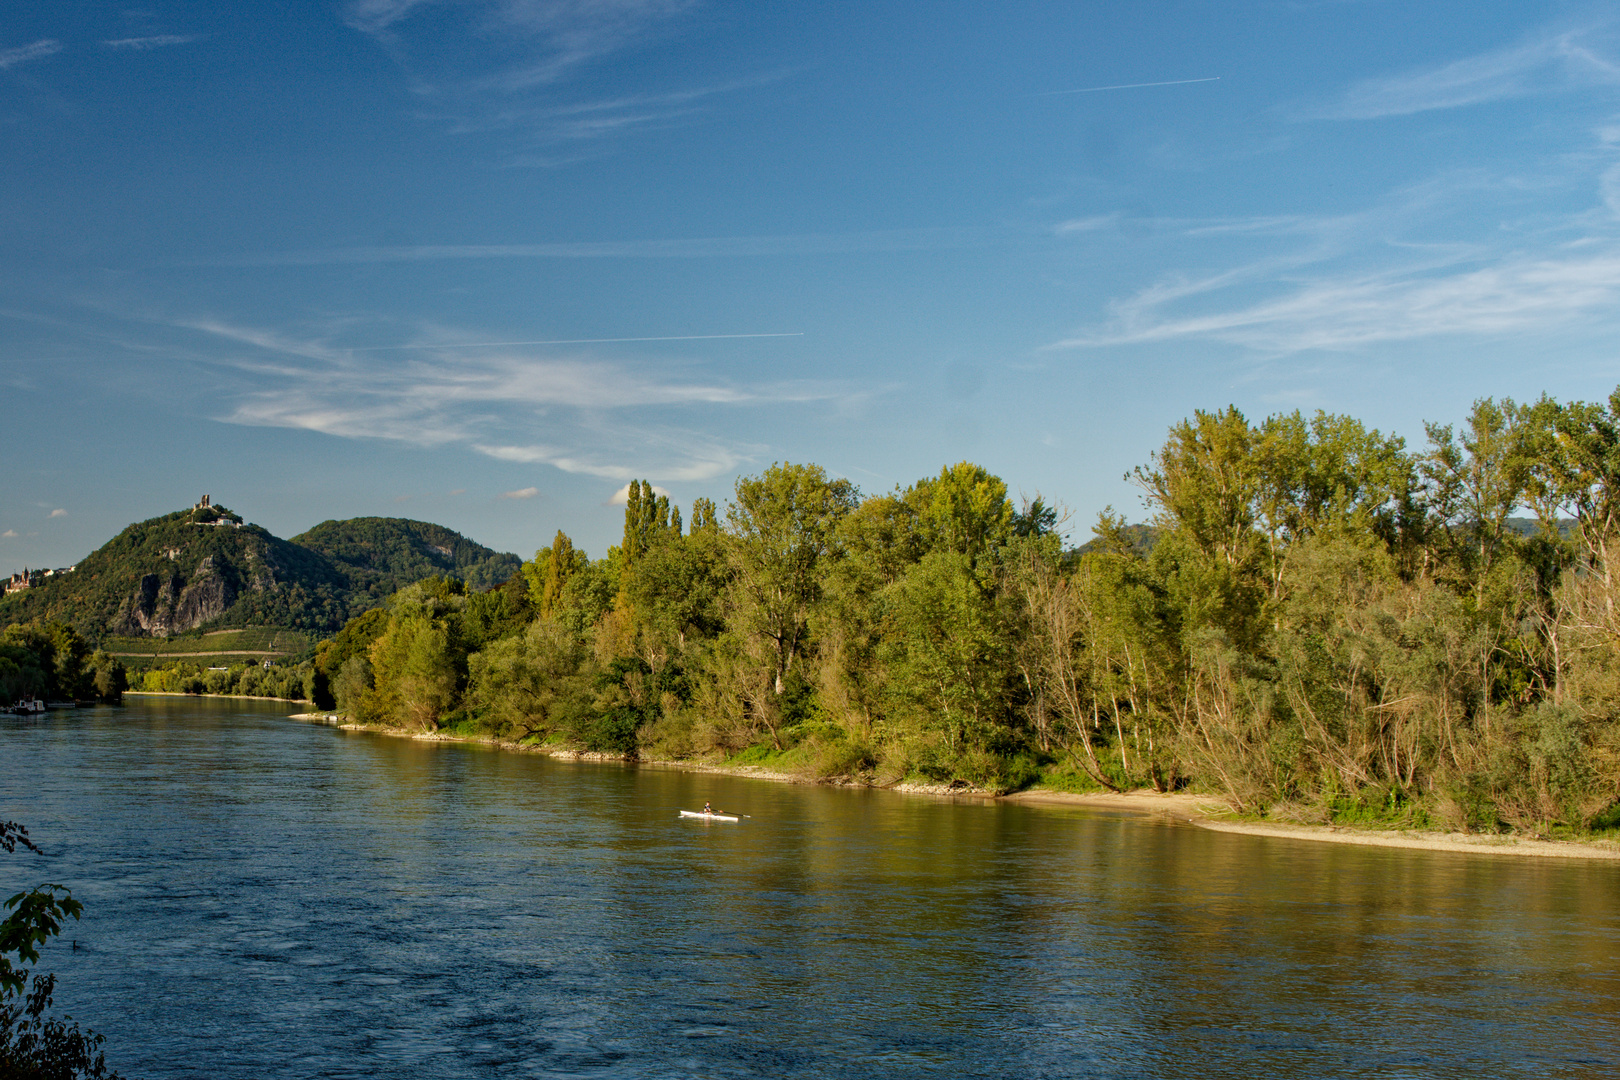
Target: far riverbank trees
(1318, 622)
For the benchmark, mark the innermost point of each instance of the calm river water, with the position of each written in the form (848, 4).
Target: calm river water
(266, 898)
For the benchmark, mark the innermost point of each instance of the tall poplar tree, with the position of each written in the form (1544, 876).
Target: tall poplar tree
(559, 567)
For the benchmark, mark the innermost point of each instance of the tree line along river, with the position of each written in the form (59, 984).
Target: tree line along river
(266, 898)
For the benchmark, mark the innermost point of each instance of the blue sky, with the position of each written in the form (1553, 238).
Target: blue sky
(481, 263)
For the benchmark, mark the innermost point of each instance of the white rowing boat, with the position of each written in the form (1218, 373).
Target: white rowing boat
(710, 817)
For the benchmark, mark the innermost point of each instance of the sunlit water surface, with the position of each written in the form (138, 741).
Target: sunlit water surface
(266, 898)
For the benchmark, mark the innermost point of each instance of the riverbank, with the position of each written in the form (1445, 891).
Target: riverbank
(1472, 843)
(756, 772)
(1179, 805)
(1205, 811)
(1210, 812)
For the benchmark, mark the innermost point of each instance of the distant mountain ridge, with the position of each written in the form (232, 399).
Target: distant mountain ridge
(381, 555)
(206, 568)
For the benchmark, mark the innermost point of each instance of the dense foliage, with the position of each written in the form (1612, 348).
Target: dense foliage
(288, 682)
(53, 663)
(1316, 622)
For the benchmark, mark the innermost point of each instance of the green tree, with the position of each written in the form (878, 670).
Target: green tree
(561, 562)
(879, 540)
(1475, 482)
(526, 682)
(352, 686)
(784, 530)
(703, 515)
(419, 662)
(951, 646)
(33, 1044)
(108, 677)
(680, 585)
(966, 510)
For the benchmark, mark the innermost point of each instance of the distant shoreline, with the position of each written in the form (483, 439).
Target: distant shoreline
(244, 697)
(1198, 810)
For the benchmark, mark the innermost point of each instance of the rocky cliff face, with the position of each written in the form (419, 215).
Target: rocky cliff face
(165, 604)
(149, 607)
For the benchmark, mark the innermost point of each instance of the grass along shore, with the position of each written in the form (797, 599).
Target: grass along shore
(1205, 811)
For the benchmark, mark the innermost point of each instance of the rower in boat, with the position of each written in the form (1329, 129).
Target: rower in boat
(709, 813)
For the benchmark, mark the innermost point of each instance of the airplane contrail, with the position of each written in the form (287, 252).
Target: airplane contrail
(569, 341)
(1128, 86)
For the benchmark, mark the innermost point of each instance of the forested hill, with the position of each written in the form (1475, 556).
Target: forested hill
(379, 556)
(206, 568)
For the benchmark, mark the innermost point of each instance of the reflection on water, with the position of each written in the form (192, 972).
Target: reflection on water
(271, 899)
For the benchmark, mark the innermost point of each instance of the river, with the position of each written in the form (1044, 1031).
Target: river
(267, 898)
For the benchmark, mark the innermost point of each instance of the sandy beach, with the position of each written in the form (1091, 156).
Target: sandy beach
(1208, 812)
(1472, 843)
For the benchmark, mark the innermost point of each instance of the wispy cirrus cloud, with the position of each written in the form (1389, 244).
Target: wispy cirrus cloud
(1086, 224)
(714, 247)
(568, 34)
(509, 107)
(598, 417)
(521, 493)
(146, 44)
(1416, 266)
(670, 453)
(1554, 60)
(482, 65)
(10, 58)
(375, 17)
(1346, 312)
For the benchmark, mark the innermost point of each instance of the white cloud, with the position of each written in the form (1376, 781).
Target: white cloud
(1085, 224)
(1343, 312)
(521, 493)
(1554, 61)
(622, 496)
(674, 456)
(10, 58)
(9, 534)
(553, 456)
(59, 513)
(145, 44)
(599, 417)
